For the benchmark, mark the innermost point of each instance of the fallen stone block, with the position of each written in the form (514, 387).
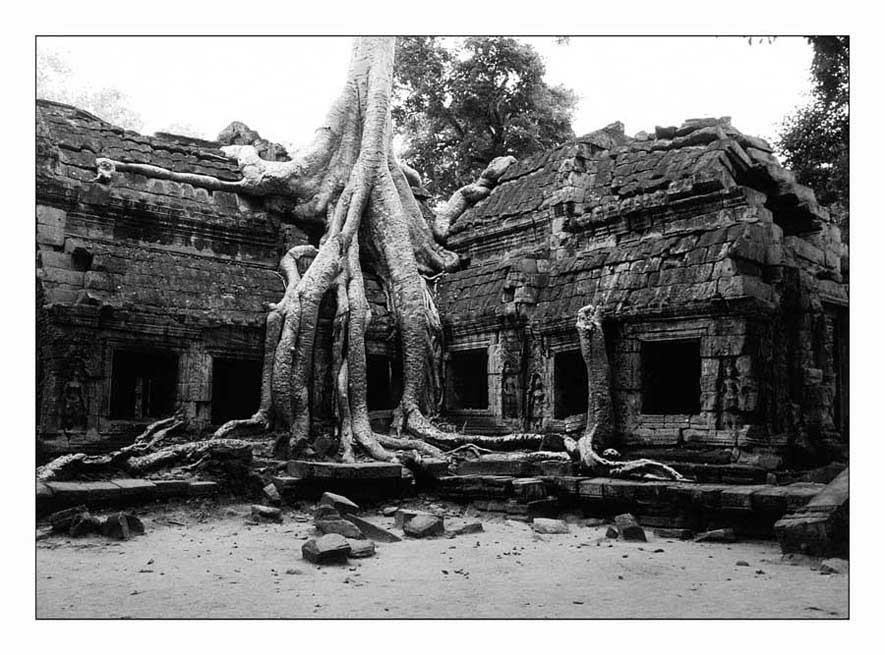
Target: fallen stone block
(372, 531)
(360, 548)
(424, 525)
(339, 526)
(266, 513)
(341, 503)
(549, 526)
(328, 549)
(116, 526)
(629, 528)
(723, 535)
(85, 524)
(834, 565)
(389, 511)
(674, 533)
(467, 527)
(612, 532)
(62, 520)
(403, 516)
(271, 495)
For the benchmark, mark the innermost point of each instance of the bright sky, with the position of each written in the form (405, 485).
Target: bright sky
(282, 86)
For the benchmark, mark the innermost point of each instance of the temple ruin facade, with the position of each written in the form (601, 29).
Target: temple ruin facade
(723, 286)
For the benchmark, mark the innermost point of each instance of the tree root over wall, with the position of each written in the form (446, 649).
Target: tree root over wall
(349, 180)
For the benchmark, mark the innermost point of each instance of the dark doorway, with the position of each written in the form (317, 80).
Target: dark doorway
(236, 388)
(379, 389)
(671, 377)
(143, 384)
(570, 380)
(469, 379)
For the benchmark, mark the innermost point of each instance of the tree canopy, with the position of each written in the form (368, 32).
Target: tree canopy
(458, 107)
(814, 139)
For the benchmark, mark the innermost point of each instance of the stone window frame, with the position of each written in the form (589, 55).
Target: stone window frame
(663, 334)
(115, 344)
(477, 344)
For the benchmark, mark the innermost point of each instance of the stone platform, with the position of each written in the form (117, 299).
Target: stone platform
(820, 528)
(751, 510)
(119, 492)
(365, 481)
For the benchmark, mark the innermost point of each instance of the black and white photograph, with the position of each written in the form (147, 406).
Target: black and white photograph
(469, 325)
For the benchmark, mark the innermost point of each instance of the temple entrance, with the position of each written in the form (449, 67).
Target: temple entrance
(236, 388)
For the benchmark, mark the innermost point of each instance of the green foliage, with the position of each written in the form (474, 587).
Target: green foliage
(459, 105)
(814, 139)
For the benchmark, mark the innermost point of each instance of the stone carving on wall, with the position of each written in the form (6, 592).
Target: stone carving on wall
(509, 392)
(73, 409)
(537, 400)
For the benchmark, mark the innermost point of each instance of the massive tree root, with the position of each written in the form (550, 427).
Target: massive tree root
(349, 181)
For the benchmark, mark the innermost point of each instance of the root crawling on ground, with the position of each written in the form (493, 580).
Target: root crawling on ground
(144, 454)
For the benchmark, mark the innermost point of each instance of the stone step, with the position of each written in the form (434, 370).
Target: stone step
(502, 465)
(308, 470)
(820, 527)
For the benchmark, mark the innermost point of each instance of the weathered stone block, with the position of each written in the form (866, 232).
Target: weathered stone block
(549, 526)
(341, 503)
(171, 488)
(131, 488)
(328, 549)
(424, 525)
(204, 488)
(360, 548)
(372, 531)
(339, 471)
(339, 526)
(629, 528)
(528, 489)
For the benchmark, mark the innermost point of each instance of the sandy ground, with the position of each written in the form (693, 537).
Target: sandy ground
(215, 564)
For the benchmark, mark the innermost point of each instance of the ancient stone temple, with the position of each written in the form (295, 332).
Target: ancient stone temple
(152, 295)
(724, 289)
(723, 286)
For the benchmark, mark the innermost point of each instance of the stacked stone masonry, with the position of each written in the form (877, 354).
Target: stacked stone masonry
(724, 287)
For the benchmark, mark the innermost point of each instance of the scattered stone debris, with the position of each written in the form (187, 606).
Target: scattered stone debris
(629, 528)
(549, 526)
(79, 522)
(360, 548)
(372, 531)
(612, 532)
(424, 525)
(263, 513)
(328, 549)
(723, 535)
(741, 562)
(403, 516)
(834, 565)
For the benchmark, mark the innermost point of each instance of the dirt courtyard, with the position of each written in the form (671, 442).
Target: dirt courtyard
(207, 561)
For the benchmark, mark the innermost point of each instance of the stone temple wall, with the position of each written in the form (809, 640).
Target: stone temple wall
(723, 285)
